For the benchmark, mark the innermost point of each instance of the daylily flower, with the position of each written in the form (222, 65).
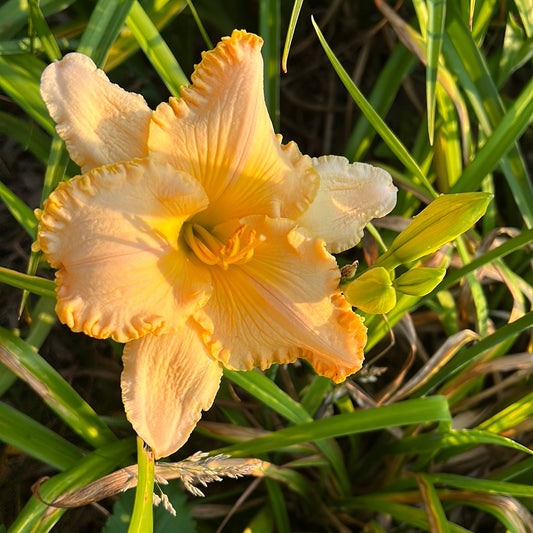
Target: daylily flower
(199, 239)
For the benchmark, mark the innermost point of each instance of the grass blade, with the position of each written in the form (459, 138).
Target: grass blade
(526, 15)
(20, 211)
(21, 359)
(271, 395)
(469, 354)
(466, 60)
(419, 411)
(505, 135)
(160, 12)
(400, 512)
(377, 122)
(155, 49)
(19, 78)
(36, 440)
(37, 516)
(265, 390)
(107, 19)
(57, 167)
(432, 505)
(446, 442)
(435, 29)
(26, 134)
(315, 393)
(511, 416)
(40, 28)
(296, 7)
(277, 504)
(515, 243)
(490, 486)
(34, 284)
(14, 14)
(385, 89)
(200, 26)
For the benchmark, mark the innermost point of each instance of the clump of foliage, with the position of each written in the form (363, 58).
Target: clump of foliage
(435, 433)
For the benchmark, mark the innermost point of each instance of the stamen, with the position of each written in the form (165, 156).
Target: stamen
(211, 251)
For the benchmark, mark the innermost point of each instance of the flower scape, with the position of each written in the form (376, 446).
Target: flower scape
(197, 238)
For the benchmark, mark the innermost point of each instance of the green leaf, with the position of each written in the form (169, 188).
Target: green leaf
(435, 29)
(315, 393)
(155, 49)
(415, 43)
(21, 359)
(26, 134)
(24, 433)
(262, 521)
(34, 284)
(400, 512)
(39, 27)
(526, 14)
(515, 243)
(511, 416)
(377, 122)
(296, 7)
(37, 516)
(461, 438)
(516, 51)
(20, 211)
(278, 506)
(57, 166)
(469, 65)
(490, 486)
(14, 14)
(433, 507)
(107, 19)
(466, 356)
(159, 12)
(265, 390)
(514, 123)
(381, 98)
(419, 411)
(199, 25)
(19, 78)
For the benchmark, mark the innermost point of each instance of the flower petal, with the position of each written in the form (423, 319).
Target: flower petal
(114, 234)
(282, 304)
(166, 383)
(100, 123)
(220, 133)
(350, 195)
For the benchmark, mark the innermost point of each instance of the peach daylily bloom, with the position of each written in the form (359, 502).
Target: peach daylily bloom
(199, 239)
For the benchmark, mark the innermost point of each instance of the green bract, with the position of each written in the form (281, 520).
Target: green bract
(440, 222)
(372, 292)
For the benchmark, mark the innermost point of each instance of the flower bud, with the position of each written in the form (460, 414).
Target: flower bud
(440, 222)
(371, 292)
(419, 281)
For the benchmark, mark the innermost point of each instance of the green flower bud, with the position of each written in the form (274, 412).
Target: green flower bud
(419, 281)
(372, 291)
(440, 222)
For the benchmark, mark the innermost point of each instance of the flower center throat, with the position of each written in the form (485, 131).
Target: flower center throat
(238, 249)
